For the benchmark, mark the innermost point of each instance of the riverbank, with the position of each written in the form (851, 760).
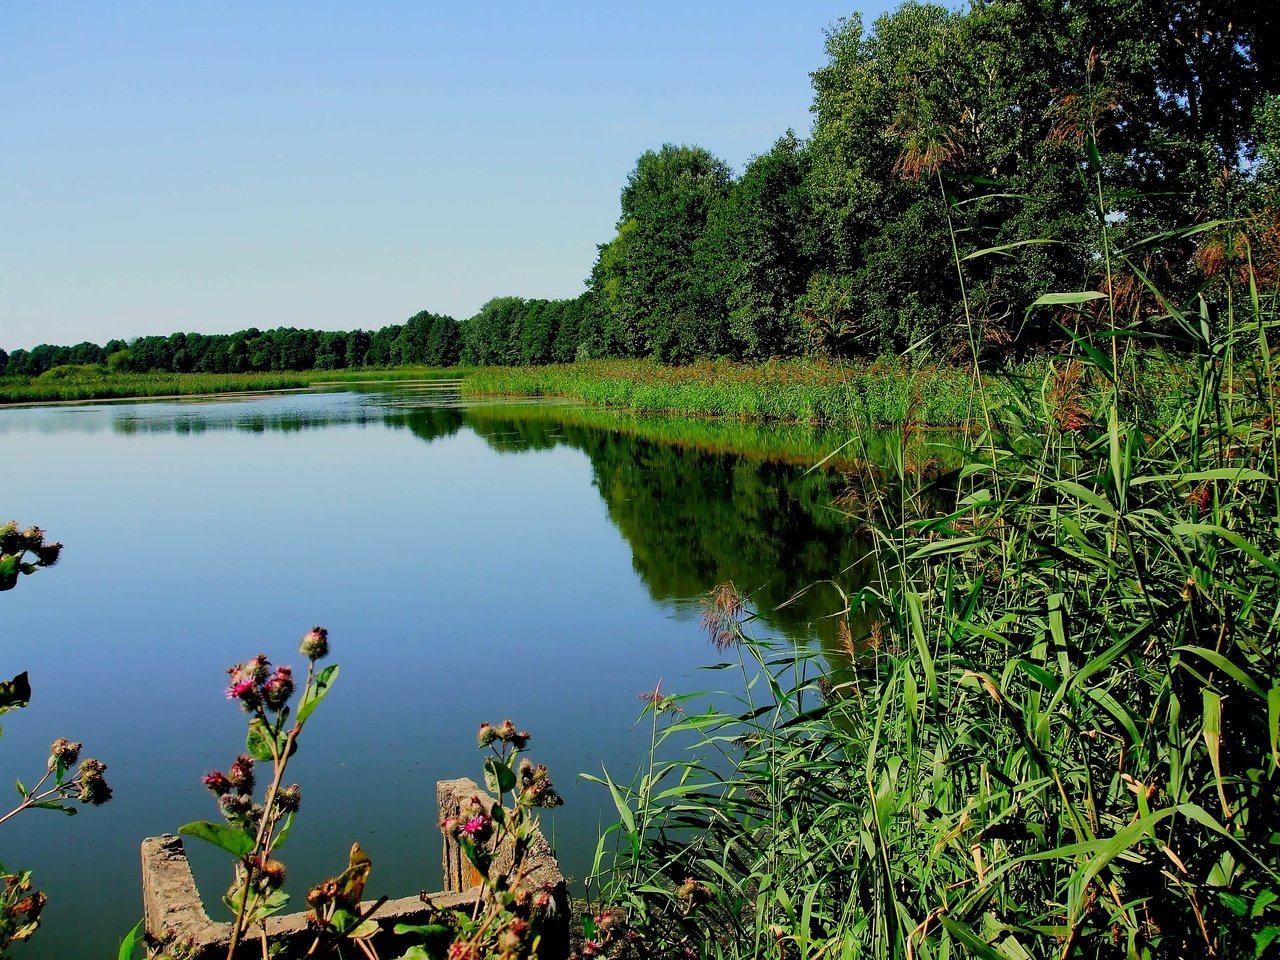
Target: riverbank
(87, 382)
(883, 393)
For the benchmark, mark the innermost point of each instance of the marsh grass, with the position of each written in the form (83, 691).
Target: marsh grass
(884, 393)
(93, 382)
(1054, 730)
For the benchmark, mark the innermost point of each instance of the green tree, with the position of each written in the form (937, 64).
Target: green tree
(654, 286)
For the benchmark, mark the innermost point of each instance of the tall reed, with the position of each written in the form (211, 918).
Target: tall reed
(1055, 728)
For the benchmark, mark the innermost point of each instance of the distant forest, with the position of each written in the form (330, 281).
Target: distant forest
(1023, 130)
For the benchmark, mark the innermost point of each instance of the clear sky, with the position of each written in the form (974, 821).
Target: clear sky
(209, 167)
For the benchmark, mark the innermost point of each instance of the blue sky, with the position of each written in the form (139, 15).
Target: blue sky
(211, 167)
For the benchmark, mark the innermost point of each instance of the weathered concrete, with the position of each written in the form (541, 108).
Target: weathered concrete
(175, 915)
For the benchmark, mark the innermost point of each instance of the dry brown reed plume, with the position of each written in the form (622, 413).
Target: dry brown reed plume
(1065, 397)
(1082, 115)
(1243, 251)
(723, 609)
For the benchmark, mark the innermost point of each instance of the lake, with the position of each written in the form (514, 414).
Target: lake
(472, 561)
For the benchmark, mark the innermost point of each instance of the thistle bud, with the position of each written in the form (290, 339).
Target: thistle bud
(241, 775)
(486, 735)
(218, 783)
(235, 807)
(288, 799)
(93, 788)
(272, 873)
(64, 750)
(47, 554)
(315, 645)
(279, 688)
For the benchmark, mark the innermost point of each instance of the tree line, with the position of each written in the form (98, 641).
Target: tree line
(1006, 136)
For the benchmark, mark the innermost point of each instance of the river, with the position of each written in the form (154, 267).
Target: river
(472, 561)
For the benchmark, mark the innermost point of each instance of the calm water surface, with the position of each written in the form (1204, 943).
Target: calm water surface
(471, 563)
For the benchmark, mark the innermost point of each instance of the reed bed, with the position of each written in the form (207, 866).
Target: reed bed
(91, 382)
(1054, 729)
(888, 392)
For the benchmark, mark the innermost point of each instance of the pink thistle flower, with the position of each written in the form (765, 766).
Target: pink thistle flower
(217, 782)
(475, 826)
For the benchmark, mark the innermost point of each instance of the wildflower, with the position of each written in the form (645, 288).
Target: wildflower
(592, 948)
(63, 751)
(315, 645)
(279, 688)
(217, 782)
(246, 682)
(241, 775)
(486, 735)
(476, 827)
(463, 951)
(604, 920)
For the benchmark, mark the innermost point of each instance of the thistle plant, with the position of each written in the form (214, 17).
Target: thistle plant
(254, 830)
(496, 839)
(67, 779)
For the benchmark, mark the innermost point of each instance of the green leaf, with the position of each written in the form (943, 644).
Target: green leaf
(238, 843)
(422, 930)
(1264, 938)
(283, 834)
(1003, 248)
(258, 741)
(498, 777)
(269, 904)
(54, 805)
(22, 790)
(970, 940)
(1063, 299)
(130, 942)
(316, 691)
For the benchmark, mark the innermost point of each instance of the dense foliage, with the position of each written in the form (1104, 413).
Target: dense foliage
(425, 339)
(1053, 728)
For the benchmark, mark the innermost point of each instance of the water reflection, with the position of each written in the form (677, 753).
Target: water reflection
(699, 502)
(473, 560)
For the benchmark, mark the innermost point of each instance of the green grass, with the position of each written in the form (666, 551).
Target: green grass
(89, 382)
(879, 394)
